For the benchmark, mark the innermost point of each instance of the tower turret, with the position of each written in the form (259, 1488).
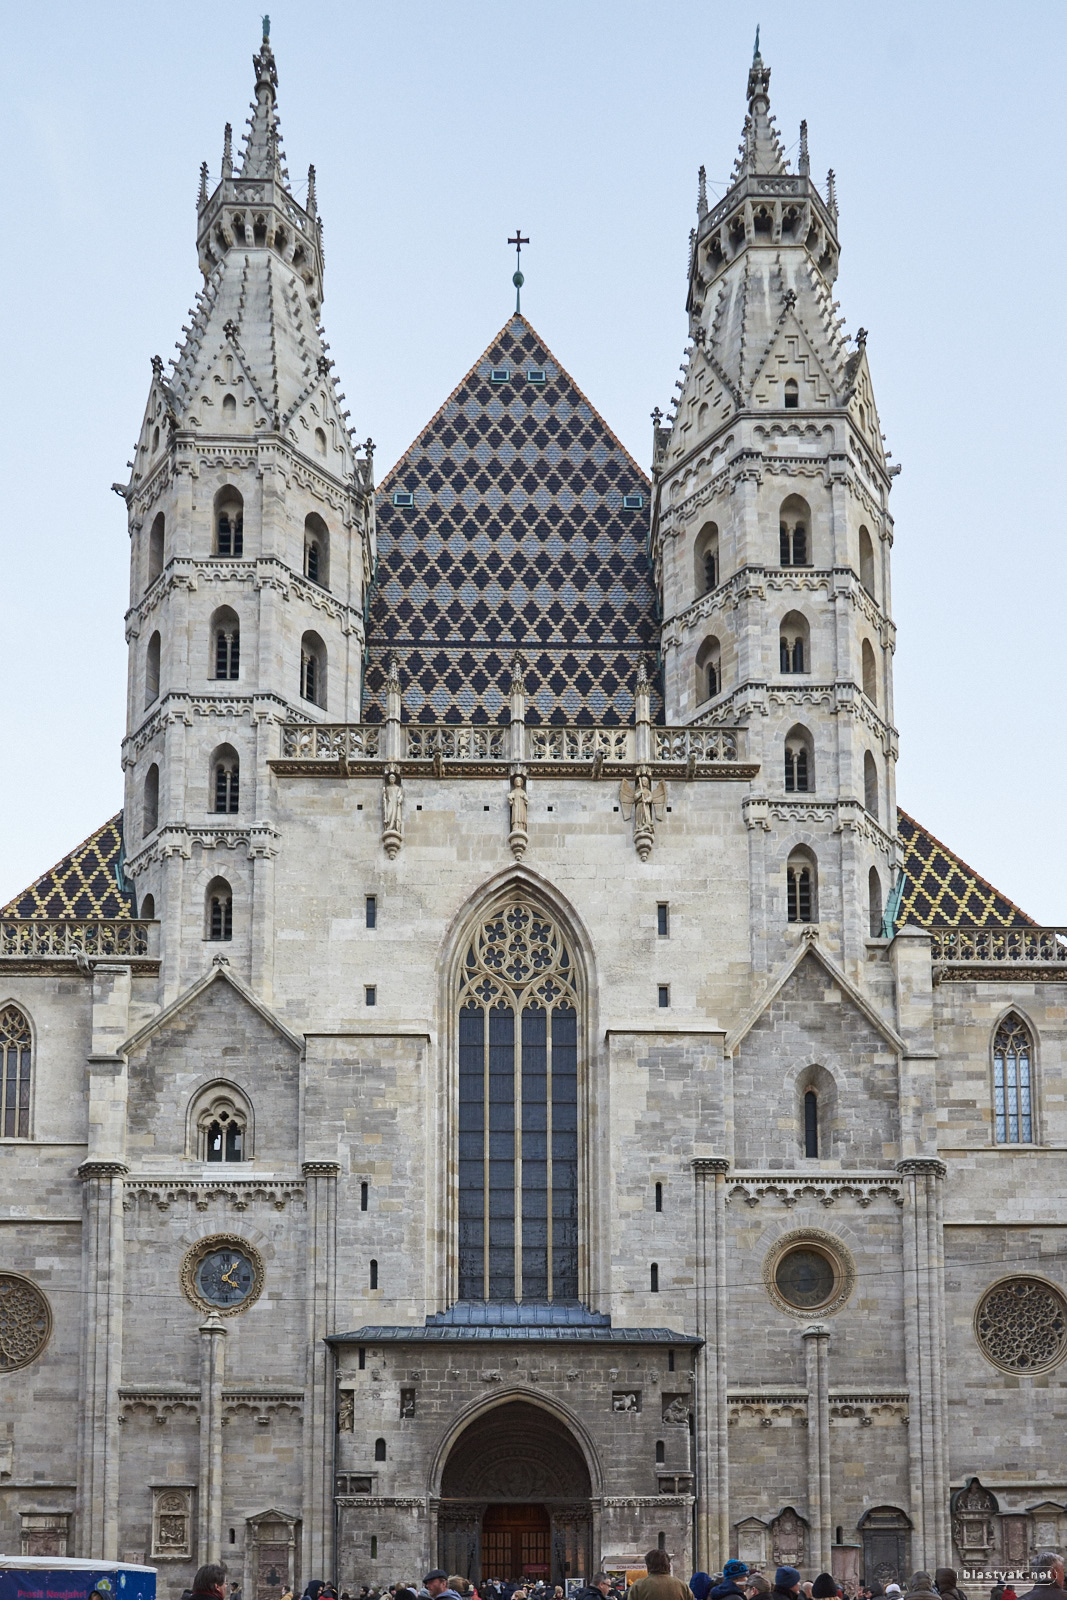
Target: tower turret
(251, 519)
(771, 535)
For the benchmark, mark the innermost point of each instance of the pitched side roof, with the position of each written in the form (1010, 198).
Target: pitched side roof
(941, 891)
(84, 884)
(516, 538)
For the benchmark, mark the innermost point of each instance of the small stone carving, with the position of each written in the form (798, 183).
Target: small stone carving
(676, 1408)
(346, 1412)
(625, 1400)
(407, 1403)
(518, 800)
(646, 804)
(392, 813)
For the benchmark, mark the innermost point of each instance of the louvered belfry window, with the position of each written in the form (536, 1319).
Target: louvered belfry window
(518, 1111)
(16, 1048)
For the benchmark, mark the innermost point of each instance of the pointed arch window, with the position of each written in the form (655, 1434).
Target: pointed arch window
(229, 523)
(226, 629)
(16, 1061)
(1013, 1054)
(794, 532)
(799, 762)
(226, 780)
(518, 1110)
(219, 910)
(801, 887)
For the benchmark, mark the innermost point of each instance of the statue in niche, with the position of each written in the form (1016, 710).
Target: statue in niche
(646, 803)
(392, 813)
(518, 801)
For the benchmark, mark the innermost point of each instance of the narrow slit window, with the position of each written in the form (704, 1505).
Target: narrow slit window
(372, 911)
(659, 1197)
(653, 1277)
(371, 994)
(364, 1196)
(374, 1274)
(664, 996)
(663, 919)
(811, 1125)
(661, 1452)
(379, 1449)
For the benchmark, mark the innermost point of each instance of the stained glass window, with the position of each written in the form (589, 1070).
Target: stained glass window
(518, 1111)
(16, 1047)
(1012, 1054)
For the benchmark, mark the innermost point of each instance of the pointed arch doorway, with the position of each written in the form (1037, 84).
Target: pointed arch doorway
(516, 1499)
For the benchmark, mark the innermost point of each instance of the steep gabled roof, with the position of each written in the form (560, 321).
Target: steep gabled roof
(517, 538)
(84, 884)
(942, 891)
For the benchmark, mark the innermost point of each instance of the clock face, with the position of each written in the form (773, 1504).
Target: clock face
(225, 1277)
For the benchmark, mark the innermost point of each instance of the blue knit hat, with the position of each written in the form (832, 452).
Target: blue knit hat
(786, 1578)
(734, 1569)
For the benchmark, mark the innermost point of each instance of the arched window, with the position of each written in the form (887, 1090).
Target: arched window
(801, 887)
(379, 1449)
(870, 673)
(702, 418)
(709, 670)
(874, 902)
(225, 780)
(148, 908)
(226, 644)
(1013, 1054)
(793, 644)
(229, 523)
(313, 669)
(706, 551)
(220, 1124)
(799, 762)
(151, 670)
(794, 532)
(155, 548)
(661, 1452)
(229, 409)
(870, 784)
(219, 910)
(867, 562)
(792, 394)
(16, 1060)
(150, 808)
(320, 442)
(811, 1124)
(518, 1109)
(317, 551)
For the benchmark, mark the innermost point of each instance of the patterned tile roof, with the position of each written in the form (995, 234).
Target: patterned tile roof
(941, 891)
(84, 884)
(516, 537)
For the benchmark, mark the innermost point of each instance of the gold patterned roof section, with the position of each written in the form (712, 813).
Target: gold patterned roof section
(86, 883)
(941, 891)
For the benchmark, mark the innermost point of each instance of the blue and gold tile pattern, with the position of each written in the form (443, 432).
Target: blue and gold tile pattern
(84, 884)
(516, 537)
(941, 891)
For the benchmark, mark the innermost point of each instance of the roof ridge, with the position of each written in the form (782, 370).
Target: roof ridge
(999, 893)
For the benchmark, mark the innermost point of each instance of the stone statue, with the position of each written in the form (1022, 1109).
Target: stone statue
(518, 800)
(646, 803)
(392, 814)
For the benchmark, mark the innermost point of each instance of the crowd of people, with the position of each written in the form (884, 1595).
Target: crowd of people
(735, 1582)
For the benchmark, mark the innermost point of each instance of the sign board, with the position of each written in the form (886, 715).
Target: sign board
(55, 1579)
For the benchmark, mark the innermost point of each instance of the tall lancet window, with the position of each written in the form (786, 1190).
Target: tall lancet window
(1012, 1054)
(518, 1111)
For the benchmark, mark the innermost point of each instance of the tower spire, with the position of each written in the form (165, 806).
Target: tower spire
(260, 158)
(761, 149)
(803, 161)
(227, 151)
(702, 194)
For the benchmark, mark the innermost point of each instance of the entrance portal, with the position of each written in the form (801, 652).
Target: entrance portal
(515, 1499)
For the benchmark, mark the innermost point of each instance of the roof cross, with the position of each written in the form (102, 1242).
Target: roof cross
(517, 278)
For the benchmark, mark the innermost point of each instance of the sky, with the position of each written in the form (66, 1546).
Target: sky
(435, 131)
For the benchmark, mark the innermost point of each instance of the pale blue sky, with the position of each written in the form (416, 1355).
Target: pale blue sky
(437, 128)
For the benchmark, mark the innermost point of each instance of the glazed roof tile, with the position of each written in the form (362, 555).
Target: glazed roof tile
(942, 891)
(84, 884)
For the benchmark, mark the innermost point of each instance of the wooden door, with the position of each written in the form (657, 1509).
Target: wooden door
(516, 1542)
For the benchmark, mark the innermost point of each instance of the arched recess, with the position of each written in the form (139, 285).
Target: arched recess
(875, 905)
(224, 780)
(492, 901)
(229, 535)
(815, 1080)
(870, 672)
(870, 785)
(225, 660)
(709, 682)
(799, 761)
(802, 886)
(317, 551)
(150, 802)
(794, 532)
(867, 563)
(220, 1111)
(155, 548)
(1013, 1042)
(706, 559)
(500, 1412)
(313, 669)
(151, 669)
(794, 643)
(16, 1071)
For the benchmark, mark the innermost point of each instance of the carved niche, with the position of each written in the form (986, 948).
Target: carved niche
(788, 1534)
(973, 1532)
(172, 1517)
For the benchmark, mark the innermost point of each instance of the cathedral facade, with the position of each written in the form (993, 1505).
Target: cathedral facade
(511, 1087)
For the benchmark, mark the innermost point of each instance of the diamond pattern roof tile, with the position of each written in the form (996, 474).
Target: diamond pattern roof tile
(941, 891)
(84, 884)
(533, 551)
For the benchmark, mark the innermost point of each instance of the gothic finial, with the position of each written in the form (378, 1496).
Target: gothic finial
(642, 673)
(227, 151)
(518, 670)
(702, 194)
(266, 29)
(755, 48)
(201, 198)
(831, 193)
(312, 202)
(861, 337)
(803, 163)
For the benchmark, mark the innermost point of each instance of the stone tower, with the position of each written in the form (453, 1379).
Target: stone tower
(771, 536)
(251, 519)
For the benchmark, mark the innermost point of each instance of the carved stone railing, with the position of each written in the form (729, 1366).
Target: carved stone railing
(354, 746)
(37, 938)
(999, 952)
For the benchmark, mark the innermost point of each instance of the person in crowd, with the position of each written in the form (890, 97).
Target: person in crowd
(805, 1588)
(893, 1588)
(313, 1589)
(945, 1582)
(210, 1582)
(1048, 1561)
(756, 1586)
(437, 1583)
(598, 1589)
(825, 1587)
(700, 1585)
(1008, 1593)
(786, 1582)
(920, 1587)
(659, 1585)
(728, 1589)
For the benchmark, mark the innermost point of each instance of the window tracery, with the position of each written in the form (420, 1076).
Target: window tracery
(16, 1062)
(1021, 1325)
(518, 1110)
(1012, 1057)
(222, 1125)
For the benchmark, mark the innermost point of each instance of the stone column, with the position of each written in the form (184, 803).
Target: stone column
(713, 1465)
(319, 1433)
(209, 1496)
(924, 1351)
(101, 1359)
(817, 1349)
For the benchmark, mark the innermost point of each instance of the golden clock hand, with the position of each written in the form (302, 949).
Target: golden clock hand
(226, 1275)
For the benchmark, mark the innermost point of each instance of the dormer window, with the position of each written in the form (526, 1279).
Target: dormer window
(499, 374)
(403, 497)
(535, 375)
(633, 502)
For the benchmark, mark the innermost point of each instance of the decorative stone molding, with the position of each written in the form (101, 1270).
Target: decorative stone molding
(376, 1502)
(785, 1408)
(792, 1187)
(259, 840)
(838, 1255)
(710, 1164)
(262, 1404)
(1020, 1325)
(922, 1166)
(645, 1502)
(241, 1192)
(320, 1169)
(867, 1409)
(158, 1405)
(102, 1169)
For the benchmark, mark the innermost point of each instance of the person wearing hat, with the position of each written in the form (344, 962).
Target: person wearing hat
(786, 1583)
(700, 1586)
(825, 1587)
(436, 1585)
(728, 1589)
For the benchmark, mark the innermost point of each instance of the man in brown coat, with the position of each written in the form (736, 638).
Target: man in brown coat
(659, 1585)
